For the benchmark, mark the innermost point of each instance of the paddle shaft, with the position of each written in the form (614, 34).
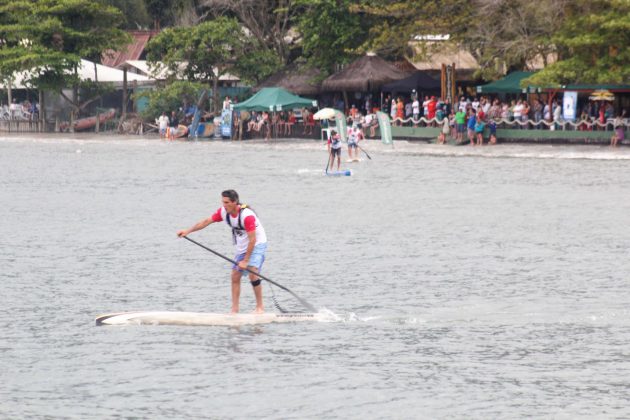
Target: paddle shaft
(302, 301)
(363, 150)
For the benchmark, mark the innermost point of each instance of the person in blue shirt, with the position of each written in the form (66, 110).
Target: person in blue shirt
(472, 121)
(480, 125)
(492, 125)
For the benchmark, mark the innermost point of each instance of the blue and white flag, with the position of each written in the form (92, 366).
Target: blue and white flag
(226, 122)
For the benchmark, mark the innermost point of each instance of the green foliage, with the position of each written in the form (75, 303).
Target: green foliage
(170, 98)
(211, 44)
(48, 38)
(507, 35)
(209, 50)
(336, 31)
(256, 64)
(330, 32)
(164, 13)
(593, 44)
(393, 24)
(134, 13)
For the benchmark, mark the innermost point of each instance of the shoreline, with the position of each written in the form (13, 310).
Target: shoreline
(426, 135)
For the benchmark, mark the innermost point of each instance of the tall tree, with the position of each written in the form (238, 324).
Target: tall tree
(269, 22)
(168, 13)
(592, 45)
(506, 35)
(46, 40)
(335, 31)
(205, 52)
(134, 13)
(393, 24)
(330, 32)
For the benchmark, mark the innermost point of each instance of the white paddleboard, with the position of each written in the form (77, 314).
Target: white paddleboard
(200, 318)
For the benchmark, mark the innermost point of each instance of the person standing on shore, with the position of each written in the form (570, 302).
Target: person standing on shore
(173, 124)
(618, 126)
(163, 124)
(460, 122)
(249, 238)
(415, 108)
(472, 122)
(492, 125)
(480, 125)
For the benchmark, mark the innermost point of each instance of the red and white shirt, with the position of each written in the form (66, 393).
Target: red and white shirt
(249, 222)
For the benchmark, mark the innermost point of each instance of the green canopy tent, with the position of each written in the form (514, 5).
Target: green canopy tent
(509, 84)
(274, 99)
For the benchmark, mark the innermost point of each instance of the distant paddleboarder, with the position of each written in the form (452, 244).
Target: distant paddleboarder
(250, 241)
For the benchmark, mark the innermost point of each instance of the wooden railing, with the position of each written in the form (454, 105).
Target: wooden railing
(25, 126)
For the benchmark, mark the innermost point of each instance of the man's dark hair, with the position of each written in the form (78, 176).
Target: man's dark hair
(231, 194)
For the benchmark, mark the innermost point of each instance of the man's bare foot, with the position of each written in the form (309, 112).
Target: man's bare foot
(259, 310)
(234, 311)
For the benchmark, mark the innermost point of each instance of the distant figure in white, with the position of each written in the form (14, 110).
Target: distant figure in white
(163, 124)
(354, 136)
(250, 241)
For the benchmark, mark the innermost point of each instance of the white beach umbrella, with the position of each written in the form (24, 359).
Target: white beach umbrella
(602, 95)
(324, 114)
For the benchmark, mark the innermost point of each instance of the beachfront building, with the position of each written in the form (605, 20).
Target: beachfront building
(360, 82)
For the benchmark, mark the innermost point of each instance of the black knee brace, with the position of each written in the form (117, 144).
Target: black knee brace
(255, 282)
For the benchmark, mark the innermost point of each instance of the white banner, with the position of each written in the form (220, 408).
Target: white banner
(569, 106)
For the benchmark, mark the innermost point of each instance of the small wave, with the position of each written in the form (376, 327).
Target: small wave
(308, 171)
(326, 315)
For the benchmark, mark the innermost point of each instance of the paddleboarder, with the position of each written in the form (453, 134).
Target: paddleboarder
(334, 149)
(354, 136)
(249, 238)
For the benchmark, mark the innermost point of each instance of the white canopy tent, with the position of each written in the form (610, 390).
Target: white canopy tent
(161, 72)
(88, 71)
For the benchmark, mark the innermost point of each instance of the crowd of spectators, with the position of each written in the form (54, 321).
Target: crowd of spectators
(515, 113)
(24, 110)
(473, 119)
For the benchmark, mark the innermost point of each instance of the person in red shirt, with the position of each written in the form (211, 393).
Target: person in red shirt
(250, 241)
(431, 107)
(309, 122)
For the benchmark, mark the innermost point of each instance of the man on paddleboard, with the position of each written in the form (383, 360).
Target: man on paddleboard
(250, 241)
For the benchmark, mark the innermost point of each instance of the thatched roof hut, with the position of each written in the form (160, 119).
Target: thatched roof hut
(368, 73)
(297, 80)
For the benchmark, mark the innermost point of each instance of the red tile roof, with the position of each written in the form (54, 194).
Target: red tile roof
(132, 51)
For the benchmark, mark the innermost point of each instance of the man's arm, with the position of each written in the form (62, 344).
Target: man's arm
(198, 226)
(250, 247)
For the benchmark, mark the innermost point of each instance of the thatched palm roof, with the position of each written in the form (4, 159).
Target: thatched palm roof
(367, 73)
(300, 81)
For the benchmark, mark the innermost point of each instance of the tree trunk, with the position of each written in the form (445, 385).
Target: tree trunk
(124, 94)
(42, 112)
(216, 101)
(75, 97)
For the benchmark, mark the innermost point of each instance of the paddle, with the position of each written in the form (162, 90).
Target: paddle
(366, 153)
(302, 301)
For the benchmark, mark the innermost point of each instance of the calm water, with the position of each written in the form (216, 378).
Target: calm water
(465, 283)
